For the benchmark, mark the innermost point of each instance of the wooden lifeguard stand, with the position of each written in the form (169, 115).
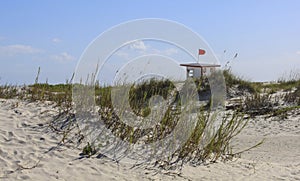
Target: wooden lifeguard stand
(197, 70)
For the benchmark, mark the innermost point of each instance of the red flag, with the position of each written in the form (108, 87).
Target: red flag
(201, 52)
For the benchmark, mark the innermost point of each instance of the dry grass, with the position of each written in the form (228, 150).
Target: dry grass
(193, 151)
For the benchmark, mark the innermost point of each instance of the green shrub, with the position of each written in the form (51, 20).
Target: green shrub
(243, 85)
(258, 104)
(140, 94)
(89, 150)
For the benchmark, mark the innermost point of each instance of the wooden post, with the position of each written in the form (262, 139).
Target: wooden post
(201, 72)
(187, 72)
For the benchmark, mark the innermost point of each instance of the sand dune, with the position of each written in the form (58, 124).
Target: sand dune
(25, 155)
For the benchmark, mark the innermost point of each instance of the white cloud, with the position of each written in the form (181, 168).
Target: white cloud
(12, 50)
(63, 57)
(139, 48)
(138, 45)
(166, 52)
(298, 52)
(56, 40)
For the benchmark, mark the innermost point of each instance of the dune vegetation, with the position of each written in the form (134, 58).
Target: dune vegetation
(244, 99)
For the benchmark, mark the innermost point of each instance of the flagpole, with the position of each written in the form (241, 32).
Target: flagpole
(200, 52)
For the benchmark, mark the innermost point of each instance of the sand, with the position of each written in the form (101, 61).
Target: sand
(25, 155)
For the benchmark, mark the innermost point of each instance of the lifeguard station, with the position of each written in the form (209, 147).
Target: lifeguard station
(198, 70)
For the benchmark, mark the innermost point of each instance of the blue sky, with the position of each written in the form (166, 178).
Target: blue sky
(53, 34)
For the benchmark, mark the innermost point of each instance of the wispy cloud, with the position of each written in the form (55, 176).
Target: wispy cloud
(139, 48)
(12, 50)
(298, 52)
(56, 40)
(138, 45)
(63, 57)
(143, 48)
(165, 52)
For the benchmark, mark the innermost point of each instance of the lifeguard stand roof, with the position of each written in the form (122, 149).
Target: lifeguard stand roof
(199, 65)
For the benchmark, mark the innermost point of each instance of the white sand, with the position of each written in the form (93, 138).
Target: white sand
(24, 146)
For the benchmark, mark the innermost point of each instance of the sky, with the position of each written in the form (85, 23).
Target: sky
(53, 34)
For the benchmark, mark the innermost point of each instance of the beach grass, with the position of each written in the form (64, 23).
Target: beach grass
(258, 102)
